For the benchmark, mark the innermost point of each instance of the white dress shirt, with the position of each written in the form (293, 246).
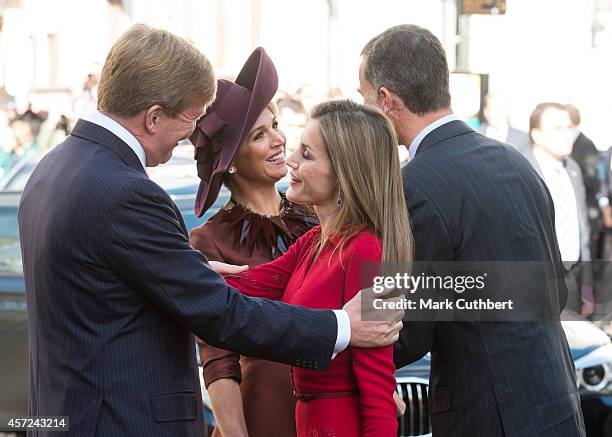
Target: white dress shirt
(414, 146)
(497, 133)
(562, 192)
(344, 325)
(111, 125)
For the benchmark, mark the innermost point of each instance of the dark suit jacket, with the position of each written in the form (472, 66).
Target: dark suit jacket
(114, 289)
(606, 183)
(587, 156)
(472, 198)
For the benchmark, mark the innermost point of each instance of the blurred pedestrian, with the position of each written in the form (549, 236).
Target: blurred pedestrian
(603, 281)
(551, 133)
(34, 118)
(87, 100)
(25, 144)
(586, 155)
(7, 142)
(496, 124)
(293, 117)
(63, 125)
(605, 200)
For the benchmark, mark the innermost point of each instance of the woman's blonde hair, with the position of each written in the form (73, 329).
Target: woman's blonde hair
(148, 66)
(362, 146)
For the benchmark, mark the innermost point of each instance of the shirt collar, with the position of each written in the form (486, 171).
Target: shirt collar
(547, 161)
(498, 133)
(111, 125)
(414, 146)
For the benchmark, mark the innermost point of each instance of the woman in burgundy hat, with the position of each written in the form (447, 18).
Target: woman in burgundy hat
(238, 143)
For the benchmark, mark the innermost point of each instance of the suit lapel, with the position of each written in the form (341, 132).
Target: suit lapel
(99, 135)
(574, 176)
(449, 130)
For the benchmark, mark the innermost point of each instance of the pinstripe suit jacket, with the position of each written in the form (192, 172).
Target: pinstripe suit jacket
(472, 198)
(114, 289)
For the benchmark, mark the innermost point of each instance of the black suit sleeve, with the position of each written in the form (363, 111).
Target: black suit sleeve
(144, 244)
(432, 242)
(587, 156)
(606, 185)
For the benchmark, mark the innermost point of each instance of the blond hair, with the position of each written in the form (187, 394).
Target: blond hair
(148, 66)
(362, 146)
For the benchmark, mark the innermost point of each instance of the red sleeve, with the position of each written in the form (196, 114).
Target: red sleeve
(269, 280)
(373, 368)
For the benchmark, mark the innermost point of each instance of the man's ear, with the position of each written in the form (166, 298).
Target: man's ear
(388, 101)
(152, 117)
(536, 135)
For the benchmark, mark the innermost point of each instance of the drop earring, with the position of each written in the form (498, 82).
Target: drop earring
(339, 200)
(232, 170)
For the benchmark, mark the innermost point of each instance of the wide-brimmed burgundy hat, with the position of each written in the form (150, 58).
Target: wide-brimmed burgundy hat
(219, 134)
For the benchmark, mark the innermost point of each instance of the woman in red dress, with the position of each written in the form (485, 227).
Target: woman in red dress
(348, 168)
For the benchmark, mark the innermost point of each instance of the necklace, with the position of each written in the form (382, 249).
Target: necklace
(276, 233)
(282, 213)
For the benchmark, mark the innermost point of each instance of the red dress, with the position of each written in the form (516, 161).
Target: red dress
(354, 396)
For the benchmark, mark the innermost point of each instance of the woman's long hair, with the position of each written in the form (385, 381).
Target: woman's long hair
(362, 146)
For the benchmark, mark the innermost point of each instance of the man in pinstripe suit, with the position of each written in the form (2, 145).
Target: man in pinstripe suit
(113, 287)
(472, 198)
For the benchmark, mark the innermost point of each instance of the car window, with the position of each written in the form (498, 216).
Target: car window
(18, 181)
(10, 253)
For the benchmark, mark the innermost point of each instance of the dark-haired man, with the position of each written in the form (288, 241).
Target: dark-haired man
(472, 198)
(550, 130)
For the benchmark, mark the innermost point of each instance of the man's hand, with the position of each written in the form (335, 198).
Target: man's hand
(373, 333)
(400, 405)
(227, 269)
(588, 301)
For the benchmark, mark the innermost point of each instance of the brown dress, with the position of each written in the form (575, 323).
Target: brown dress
(237, 235)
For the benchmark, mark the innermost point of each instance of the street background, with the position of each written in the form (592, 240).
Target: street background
(539, 50)
(524, 52)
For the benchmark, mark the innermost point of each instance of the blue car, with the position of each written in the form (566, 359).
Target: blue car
(591, 347)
